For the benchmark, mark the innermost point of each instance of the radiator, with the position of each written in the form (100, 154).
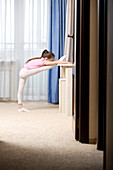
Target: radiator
(4, 81)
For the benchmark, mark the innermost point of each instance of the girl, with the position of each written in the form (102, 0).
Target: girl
(34, 66)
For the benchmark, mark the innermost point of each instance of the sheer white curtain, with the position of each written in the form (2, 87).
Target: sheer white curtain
(23, 35)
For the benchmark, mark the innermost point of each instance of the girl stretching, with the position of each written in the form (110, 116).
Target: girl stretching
(34, 66)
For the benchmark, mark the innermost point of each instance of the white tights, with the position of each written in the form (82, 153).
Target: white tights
(24, 74)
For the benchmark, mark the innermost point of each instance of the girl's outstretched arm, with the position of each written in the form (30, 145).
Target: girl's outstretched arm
(53, 63)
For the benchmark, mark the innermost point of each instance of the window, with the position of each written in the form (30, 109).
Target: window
(23, 35)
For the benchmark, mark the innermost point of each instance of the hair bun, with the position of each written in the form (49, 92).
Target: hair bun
(44, 52)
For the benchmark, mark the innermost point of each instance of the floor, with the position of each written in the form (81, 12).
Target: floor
(42, 140)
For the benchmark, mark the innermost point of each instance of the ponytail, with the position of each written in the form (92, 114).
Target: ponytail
(44, 52)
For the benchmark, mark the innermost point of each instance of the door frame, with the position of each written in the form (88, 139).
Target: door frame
(84, 71)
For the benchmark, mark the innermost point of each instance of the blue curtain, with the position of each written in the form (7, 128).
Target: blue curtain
(56, 45)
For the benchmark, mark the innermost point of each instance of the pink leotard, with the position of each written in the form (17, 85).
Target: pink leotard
(36, 63)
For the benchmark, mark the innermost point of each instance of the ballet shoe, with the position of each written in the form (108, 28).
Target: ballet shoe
(63, 58)
(23, 110)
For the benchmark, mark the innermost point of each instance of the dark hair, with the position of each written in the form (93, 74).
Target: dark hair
(45, 54)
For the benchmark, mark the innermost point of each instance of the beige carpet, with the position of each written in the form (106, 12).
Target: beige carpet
(42, 140)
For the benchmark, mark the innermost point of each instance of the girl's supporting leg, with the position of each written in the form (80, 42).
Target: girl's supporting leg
(19, 96)
(20, 90)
